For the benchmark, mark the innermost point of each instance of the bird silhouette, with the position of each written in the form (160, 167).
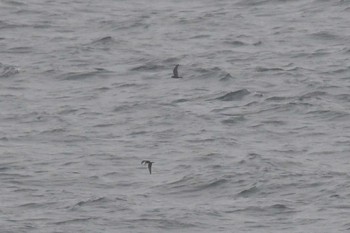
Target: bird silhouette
(149, 165)
(176, 75)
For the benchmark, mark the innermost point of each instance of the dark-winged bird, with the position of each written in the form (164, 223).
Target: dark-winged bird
(149, 165)
(176, 75)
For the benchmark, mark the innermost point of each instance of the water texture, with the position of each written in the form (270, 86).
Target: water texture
(254, 138)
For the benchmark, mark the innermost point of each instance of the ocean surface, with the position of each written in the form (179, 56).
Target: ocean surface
(254, 138)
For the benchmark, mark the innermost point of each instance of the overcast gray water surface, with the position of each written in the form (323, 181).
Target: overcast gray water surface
(254, 138)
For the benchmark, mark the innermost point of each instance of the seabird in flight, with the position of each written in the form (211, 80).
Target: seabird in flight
(149, 165)
(175, 72)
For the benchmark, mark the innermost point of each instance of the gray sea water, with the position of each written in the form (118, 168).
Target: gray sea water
(254, 138)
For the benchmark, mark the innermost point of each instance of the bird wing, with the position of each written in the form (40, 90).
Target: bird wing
(150, 168)
(144, 161)
(175, 71)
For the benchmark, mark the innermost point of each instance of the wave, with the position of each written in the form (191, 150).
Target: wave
(235, 95)
(193, 184)
(7, 70)
(92, 201)
(103, 40)
(160, 223)
(35, 205)
(234, 120)
(227, 77)
(325, 35)
(235, 42)
(329, 114)
(97, 73)
(313, 94)
(248, 192)
(21, 49)
(181, 100)
(277, 98)
(269, 209)
(252, 3)
(75, 220)
(103, 125)
(151, 66)
(104, 43)
(267, 69)
(344, 97)
(214, 72)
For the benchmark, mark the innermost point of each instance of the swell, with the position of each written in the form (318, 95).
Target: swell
(97, 73)
(234, 95)
(189, 184)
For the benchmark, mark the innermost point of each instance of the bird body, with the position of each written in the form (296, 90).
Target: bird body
(149, 165)
(176, 75)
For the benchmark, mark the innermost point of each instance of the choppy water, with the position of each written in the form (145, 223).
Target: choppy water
(254, 138)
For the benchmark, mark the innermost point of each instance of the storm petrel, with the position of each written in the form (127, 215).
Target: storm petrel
(149, 165)
(175, 72)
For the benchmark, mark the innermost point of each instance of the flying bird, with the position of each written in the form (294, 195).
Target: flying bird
(149, 165)
(176, 75)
